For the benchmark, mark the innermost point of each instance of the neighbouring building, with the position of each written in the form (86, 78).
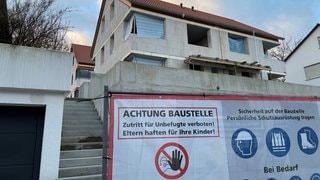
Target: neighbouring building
(303, 63)
(82, 67)
(33, 85)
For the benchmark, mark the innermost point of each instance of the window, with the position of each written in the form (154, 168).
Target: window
(76, 93)
(266, 47)
(229, 71)
(237, 44)
(83, 73)
(111, 44)
(144, 26)
(312, 71)
(319, 41)
(214, 70)
(148, 60)
(103, 22)
(197, 35)
(112, 10)
(246, 74)
(195, 67)
(102, 55)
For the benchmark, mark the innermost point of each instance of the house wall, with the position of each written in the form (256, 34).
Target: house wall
(38, 77)
(307, 54)
(174, 47)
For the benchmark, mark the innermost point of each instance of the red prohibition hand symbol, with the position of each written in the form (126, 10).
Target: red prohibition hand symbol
(176, 160)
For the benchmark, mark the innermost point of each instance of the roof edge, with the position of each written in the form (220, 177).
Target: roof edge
(303, 40)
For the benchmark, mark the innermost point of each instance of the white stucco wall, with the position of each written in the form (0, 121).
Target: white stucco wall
(307, 54)
(38, 77)
(35, 68)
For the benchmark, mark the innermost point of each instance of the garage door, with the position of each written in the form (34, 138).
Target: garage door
(21, 130)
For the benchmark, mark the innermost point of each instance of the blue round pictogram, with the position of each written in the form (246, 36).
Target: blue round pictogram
(295, 178)
(244, 143)
(307, 140)
(315, 176)
(278, 142)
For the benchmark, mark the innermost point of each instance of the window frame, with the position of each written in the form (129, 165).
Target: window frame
(233, 38)
(142, 25)
(102, 55)
(83, 74)
(111, 47)
(198, 36)
(146, 60)
(112, 10)
(308, 74)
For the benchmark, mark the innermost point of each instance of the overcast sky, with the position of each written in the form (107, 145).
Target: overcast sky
(286, 18)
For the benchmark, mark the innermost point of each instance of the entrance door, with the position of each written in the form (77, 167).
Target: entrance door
(21, 130)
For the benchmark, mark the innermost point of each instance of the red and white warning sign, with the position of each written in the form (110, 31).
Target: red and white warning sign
(172, 160)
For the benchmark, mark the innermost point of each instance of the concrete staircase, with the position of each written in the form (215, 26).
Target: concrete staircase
(81, 142)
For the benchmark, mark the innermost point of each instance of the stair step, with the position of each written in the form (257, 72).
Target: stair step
(80, 153)
(81, 139)
(80, 118)
(86, 161)
(81, 127)
(83, 171)
(82, 133)
(89, 177)
(79, 146)
(80, 113)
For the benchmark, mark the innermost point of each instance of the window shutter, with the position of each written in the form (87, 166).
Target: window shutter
(149, 27)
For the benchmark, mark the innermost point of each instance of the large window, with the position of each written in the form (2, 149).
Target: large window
(238, 44)
(144, 26)
(197, 35)
(83, 74)
(312, 71)
(148, 60)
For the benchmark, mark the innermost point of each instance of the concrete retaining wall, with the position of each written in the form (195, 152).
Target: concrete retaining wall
(131, 77)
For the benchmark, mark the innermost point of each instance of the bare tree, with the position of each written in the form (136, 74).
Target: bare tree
(38, 23)
(284, 49)
(4, 24)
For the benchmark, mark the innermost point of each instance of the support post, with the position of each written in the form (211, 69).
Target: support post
(105, 133)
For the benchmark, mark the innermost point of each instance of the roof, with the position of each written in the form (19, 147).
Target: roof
(301, 43)
(191, 14)
(82, 54)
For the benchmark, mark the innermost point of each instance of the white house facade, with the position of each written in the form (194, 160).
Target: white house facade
(303, 64)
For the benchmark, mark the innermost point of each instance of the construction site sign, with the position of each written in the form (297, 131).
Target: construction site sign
(213, 137)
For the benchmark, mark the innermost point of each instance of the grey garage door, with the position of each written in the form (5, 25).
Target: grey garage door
(21, 130)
